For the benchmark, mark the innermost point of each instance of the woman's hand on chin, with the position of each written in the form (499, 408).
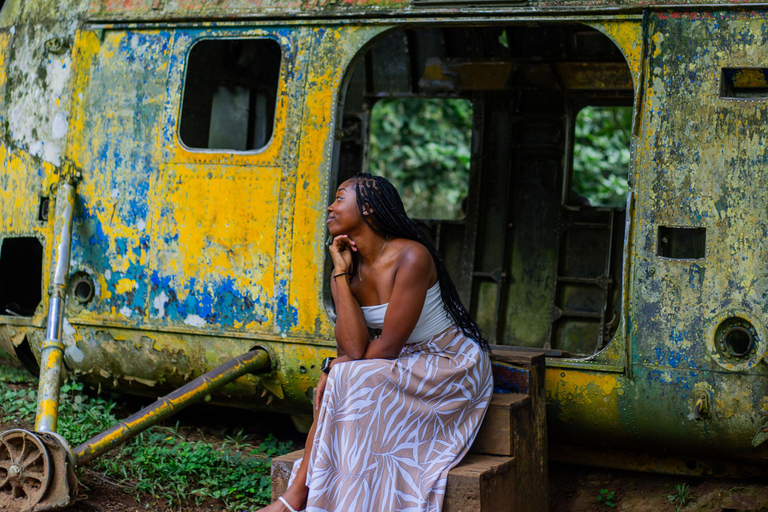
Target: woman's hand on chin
(341, 253)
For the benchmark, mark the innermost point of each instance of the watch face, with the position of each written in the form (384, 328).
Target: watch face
(326, 365)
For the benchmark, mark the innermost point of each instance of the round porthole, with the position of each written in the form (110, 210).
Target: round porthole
(82, 288)
(736, 339)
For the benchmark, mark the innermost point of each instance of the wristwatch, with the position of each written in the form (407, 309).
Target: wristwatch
(325, 366)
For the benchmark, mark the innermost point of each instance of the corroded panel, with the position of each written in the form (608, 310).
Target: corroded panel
(163, 9)
(39, 89)
(702, 165)
(116, 147)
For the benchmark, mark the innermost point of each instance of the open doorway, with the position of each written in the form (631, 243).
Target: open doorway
(535, 259)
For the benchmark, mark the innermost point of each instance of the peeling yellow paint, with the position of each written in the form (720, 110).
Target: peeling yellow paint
(125, 285)
(313, 166)
(628, 36)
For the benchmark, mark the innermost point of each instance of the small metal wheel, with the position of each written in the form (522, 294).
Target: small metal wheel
(25, 470)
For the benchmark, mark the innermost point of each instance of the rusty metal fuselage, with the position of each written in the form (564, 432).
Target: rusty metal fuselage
(184, 257)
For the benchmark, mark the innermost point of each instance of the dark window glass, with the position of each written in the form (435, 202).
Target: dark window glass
(21, 276)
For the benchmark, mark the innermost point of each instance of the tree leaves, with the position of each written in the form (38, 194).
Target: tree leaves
(424, 147)
(601, 154)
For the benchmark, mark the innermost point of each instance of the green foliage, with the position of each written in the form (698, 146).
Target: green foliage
(15, 375)
(423, 146)
(18, 405)
(607, 497)
(681, 497)
(503, 39)
(161, 463)
(82, 417)
(601, 154)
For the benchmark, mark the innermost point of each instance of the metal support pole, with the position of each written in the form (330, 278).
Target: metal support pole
(255, 361)
(52, 349)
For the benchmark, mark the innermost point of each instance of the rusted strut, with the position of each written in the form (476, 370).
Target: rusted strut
(253, 362)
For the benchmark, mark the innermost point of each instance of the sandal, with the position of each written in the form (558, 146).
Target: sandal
(285, 502)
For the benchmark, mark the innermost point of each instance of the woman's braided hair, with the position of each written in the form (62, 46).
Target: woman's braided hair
(380, 199)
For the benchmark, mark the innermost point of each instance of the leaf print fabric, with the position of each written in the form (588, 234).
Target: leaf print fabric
(390, 430)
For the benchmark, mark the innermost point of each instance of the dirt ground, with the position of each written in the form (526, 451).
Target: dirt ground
(577, 488)
(571, 488)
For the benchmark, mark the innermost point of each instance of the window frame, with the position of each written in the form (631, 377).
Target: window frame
(270, 151)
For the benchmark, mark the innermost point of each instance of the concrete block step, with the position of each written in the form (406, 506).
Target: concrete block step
(508, 416)
(479, 483)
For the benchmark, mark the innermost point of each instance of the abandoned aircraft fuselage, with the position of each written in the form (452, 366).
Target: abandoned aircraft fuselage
(207, 138)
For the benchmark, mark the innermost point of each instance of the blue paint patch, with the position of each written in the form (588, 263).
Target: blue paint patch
(286, 316)
(509, 379)
(92, 225)
(216, 301)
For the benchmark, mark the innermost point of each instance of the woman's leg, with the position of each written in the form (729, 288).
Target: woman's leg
(297, 493)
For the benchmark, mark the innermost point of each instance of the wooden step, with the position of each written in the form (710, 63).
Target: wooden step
(521, 370)
(482, 483)
(479, 483)
(508, 420)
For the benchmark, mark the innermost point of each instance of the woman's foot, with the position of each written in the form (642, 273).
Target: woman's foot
(281, 505)
(294, 500)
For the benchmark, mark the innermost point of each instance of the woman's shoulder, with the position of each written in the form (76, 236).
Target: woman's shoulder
(414, 255)
(410, 249)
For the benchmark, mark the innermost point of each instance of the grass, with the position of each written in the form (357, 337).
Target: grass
(13, 374)
(162, 464)
(681, 496)
(159, 465)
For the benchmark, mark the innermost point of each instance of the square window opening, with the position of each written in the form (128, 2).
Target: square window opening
(21, 275)
(744, 83)
(230, 94)
(682, 243)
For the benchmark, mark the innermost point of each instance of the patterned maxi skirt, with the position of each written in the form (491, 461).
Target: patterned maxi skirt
(389, 431)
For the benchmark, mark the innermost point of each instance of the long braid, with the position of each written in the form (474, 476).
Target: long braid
(380, 199)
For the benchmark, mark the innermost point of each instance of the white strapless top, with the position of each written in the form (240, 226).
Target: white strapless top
(434, 319)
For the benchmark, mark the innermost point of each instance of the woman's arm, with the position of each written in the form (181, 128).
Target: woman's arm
(415, 270)
(351, 331)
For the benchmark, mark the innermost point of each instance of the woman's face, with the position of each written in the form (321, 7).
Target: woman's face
(343, 212)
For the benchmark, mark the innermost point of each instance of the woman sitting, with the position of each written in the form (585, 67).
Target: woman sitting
(398, 411)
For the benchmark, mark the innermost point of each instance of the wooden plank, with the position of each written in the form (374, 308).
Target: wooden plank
(508, 414)
(481, 483)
